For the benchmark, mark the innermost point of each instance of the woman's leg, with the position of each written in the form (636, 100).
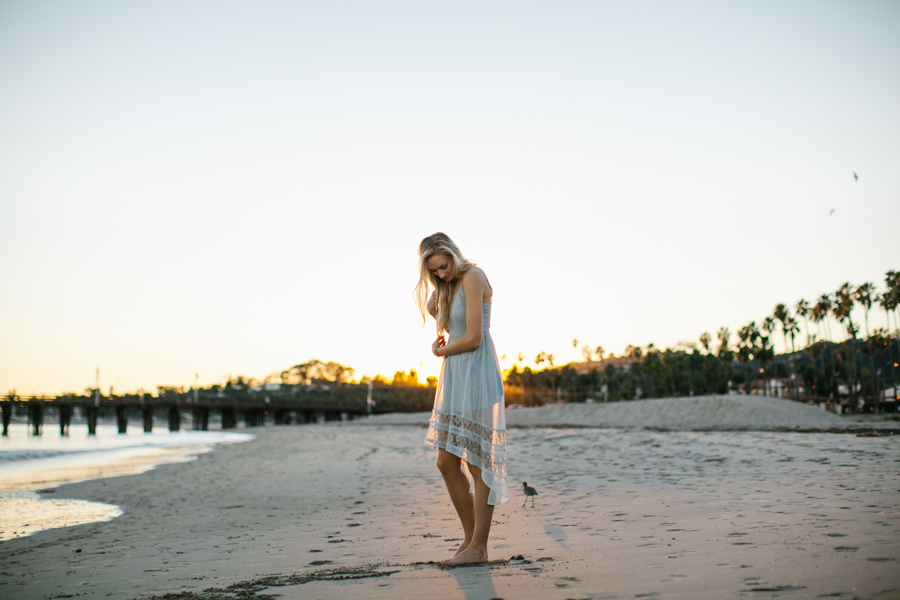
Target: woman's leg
(458, 486)
(476, 551)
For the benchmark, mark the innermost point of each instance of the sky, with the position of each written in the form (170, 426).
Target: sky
(232, 188)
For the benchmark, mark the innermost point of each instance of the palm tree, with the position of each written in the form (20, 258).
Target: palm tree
(784, 317)
(883, 342)
(792, 327)
(864, 295)
(724, 351)
(803, 309)
(875, 344)
(588, 354)
(634, 352)
(781, 315)
(746, 349)
(768, 326)
(817, 314)
(886, 302)
(815, 349)
(842, 308)
(823, 306)
(892, 283)
(705, 340)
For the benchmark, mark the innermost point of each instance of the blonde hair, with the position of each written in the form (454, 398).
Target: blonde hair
(439, 243)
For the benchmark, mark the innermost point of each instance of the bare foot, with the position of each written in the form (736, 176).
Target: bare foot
(462, 547)
(469, 556)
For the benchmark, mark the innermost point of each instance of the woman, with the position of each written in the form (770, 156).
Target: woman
(468, 423)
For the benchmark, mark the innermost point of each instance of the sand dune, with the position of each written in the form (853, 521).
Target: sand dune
(698, 413)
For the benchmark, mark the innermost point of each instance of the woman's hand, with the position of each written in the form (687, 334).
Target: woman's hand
(438, 343)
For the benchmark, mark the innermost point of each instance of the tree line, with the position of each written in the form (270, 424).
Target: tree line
(841, 359)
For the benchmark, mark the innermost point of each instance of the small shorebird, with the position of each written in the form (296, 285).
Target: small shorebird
(530, 492)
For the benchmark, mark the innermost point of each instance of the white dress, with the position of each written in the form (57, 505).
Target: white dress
(469, 416)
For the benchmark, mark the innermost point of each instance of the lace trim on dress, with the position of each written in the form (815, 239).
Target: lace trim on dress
(439, 436)
(495, 437)
(494, 464)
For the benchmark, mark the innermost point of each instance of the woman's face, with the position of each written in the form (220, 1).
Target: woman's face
(440, 266)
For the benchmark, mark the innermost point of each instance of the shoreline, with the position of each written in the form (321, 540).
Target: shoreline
(339, 510)
(30, 462)
(34, 468)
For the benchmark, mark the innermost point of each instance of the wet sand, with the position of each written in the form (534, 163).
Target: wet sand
(28, 504)
(359, 511)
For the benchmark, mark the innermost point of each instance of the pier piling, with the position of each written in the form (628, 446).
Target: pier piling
(229, 418)
(7, 414)
(254, 417)
(90, 412)
(122, 418)
(65, 419)
(174, 418)
(292, 404)
(201, 418)
(36, 417)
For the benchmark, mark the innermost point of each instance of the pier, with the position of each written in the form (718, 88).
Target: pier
(284, 405)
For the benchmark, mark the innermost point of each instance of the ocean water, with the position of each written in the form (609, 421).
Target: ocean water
(31, 467)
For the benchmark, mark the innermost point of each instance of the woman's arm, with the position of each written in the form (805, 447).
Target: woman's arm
(474, 286)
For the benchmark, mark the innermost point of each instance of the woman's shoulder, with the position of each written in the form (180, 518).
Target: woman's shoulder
(474, 274)
(474, 280)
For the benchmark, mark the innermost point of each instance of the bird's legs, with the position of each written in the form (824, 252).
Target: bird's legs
(458, 487)
(476, 551)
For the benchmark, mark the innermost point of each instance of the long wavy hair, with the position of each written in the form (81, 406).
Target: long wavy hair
(439, 243)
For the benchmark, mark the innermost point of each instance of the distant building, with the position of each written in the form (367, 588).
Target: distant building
(619, 362)
(269, 387)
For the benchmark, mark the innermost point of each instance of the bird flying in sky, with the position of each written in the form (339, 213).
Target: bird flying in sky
(855, 176)
(831, 212)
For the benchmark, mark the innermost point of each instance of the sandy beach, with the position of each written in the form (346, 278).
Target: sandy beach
(358, 510)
